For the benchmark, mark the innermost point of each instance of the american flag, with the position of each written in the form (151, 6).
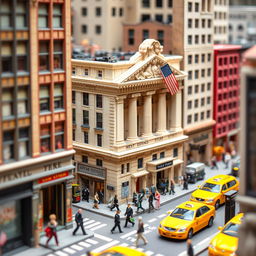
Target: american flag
(169, 79)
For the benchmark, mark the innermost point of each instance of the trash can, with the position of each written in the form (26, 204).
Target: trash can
(230, 205)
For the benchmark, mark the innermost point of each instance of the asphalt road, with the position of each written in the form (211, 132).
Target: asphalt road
(156, 245)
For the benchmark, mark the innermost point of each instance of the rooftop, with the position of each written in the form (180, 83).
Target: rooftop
(226, 47)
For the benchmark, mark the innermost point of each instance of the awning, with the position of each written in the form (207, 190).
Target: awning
(177, 161)
(139, 174)
(160, 164)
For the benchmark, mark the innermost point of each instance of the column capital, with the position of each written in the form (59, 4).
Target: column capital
(119, 99)
(135, 95)
(149, 93)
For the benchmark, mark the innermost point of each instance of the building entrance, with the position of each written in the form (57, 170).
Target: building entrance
(53, 203)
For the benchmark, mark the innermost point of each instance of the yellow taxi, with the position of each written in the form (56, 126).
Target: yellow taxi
(120, 251)
(212, 191)
(226, 241)
(186, 219)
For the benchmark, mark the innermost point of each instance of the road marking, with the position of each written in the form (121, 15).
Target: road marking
(104, 238)
(105, 246)
(91, 241)
(161, 216)
(84, 244)
(60, 253)
(152, 220)
(149, 253)
(69, 250)
(129, 234)
(100, 226)
(76, 247)
(202, 242)
(92, 225)
(124, 244)
(159, 254)
(89, 222)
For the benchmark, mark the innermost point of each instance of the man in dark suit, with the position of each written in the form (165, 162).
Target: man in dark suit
(190, 250)
(79, 222)
(117, 222)
(128, 214)
(150, 202)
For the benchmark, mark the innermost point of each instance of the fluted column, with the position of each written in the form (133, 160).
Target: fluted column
(147, 114)
(120, 118)
(132, 117)
(176, 115)
(161, 117)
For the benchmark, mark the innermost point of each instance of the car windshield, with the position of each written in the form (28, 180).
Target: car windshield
(211, 187)
(231, 229)
(183, 214)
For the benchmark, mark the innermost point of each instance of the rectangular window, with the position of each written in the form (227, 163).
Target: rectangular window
(208, 113)
(159, 17)
(85, 159)
(84, 29)
(209, 39)
(190, 24)
(6, 54)
(99, 140)
(45, 138)
(208, 72)
(145, 34)
(113, 11)
(23, 143)
(189, 90)
(145, 17)
(208, 86)
(86, 118)
(86, 72)
(189, 104)
(73, 97)
(21, 50)
(189, 59)
(43, 10)
(209, 23)
(6, 14)
(196, 104)
(145, 3)
(86, 137)
(162, 154)
(203, 39)
(160, 36)
(121, 11)
(74, 134)
(128, 167)
(100, 74)
(196, 58)
(140, 163)
(98, 11)
(73, 115)
(22, 101)
(189, 39)
(203, 73)
(58, 55)
(44, 62)
(73, 71)
(196, 74)
(159, 3)
(196, 88)
(196, 7)
(58, 96)
(21, 14)
(99, 162)
(154, 157)
(175, 152)
(189, 7)
(196, 39)
(169, 18)
(203, 58)
(196, 23)
(122, 169)
(84, 11)
(85, 99)
(202, 87)
(202, 102)
(7, 102)
(208, 100)
(44, 98)
(99, 120)
(8, 146)
(169, 3)
(131, 36)
(190, 75)
(59, 136)
(98, 29)
(195, 117)
(57, 16)
(99, 101)
(189, 119)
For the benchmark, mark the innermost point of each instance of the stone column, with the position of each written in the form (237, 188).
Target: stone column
(132, 117)
(147, 114)
(120, 119)
(153, 181)
(161, 117)
(176, 111)
(144, 181)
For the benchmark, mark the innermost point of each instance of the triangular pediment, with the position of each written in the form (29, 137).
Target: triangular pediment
(146, 69)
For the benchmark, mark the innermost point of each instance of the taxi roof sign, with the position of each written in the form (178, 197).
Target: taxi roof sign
(189, 205)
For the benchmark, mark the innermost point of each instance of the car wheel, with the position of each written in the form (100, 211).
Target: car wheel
(217, 205)
(210, 223)
(190, 233)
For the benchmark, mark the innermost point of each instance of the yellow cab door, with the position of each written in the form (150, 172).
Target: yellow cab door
(199, 222)
(224, 189)
(205, 215)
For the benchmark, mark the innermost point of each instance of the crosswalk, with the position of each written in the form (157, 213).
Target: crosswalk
(100, 242)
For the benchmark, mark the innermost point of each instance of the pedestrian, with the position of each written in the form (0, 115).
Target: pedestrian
(52, 227)
(153, 190)
(96, 201)
(129, 215)
(117, 222)
(172, 186)
(101, 196)
(157, 200)
(86, 194)
(83, 193)
(214, 163)
(167, 185)
(180, 180)
(79, 222)
(150, 202)
(190, 250)
(185, 182)
(135, 198)
(140, 199)
(227, 159)
(163, 188)
(140, 232)
(115, 204)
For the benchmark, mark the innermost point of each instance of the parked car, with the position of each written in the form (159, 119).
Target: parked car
(235, 168)
(195, 171)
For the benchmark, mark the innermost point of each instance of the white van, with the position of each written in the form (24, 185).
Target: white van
(195, 171)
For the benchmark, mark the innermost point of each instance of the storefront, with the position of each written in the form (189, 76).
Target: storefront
(92, 177)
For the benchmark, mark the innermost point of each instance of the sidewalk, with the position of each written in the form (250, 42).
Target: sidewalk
(65, 238)
(105, 211)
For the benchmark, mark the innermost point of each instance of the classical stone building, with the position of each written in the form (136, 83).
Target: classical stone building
(127, 128)
(35, 113)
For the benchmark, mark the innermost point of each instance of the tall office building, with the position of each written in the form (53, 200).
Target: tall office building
(35, 109)
(193, 30)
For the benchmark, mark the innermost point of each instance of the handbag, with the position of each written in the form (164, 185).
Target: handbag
(132, 219)
(48, 231)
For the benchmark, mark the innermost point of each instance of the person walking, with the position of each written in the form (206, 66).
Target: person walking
(52, 227)
(135, 199)
(115, 204)
(79, 222)
(86, 194)
(117, 222)
(101, 197)
(185, 182)
(163, 188)
(140, 232)
(140, 199)
(190, 250)
(129, 215)
(157, 200)
(172, 186)
(150, 202)
(153, 190)
(180, 180)
(96, 201)
(227, 159)
(214, 163)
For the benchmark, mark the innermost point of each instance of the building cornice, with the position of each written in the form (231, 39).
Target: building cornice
(199, 127)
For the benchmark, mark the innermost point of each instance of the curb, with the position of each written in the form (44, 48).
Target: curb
(135, 213)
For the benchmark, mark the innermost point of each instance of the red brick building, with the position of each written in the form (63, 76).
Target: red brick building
(134, 35)
(226, 95)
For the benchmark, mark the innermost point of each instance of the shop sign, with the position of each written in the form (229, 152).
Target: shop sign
(201, 137)
(53, 177)
(15, 176)
(163, 165)
(91, 170)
